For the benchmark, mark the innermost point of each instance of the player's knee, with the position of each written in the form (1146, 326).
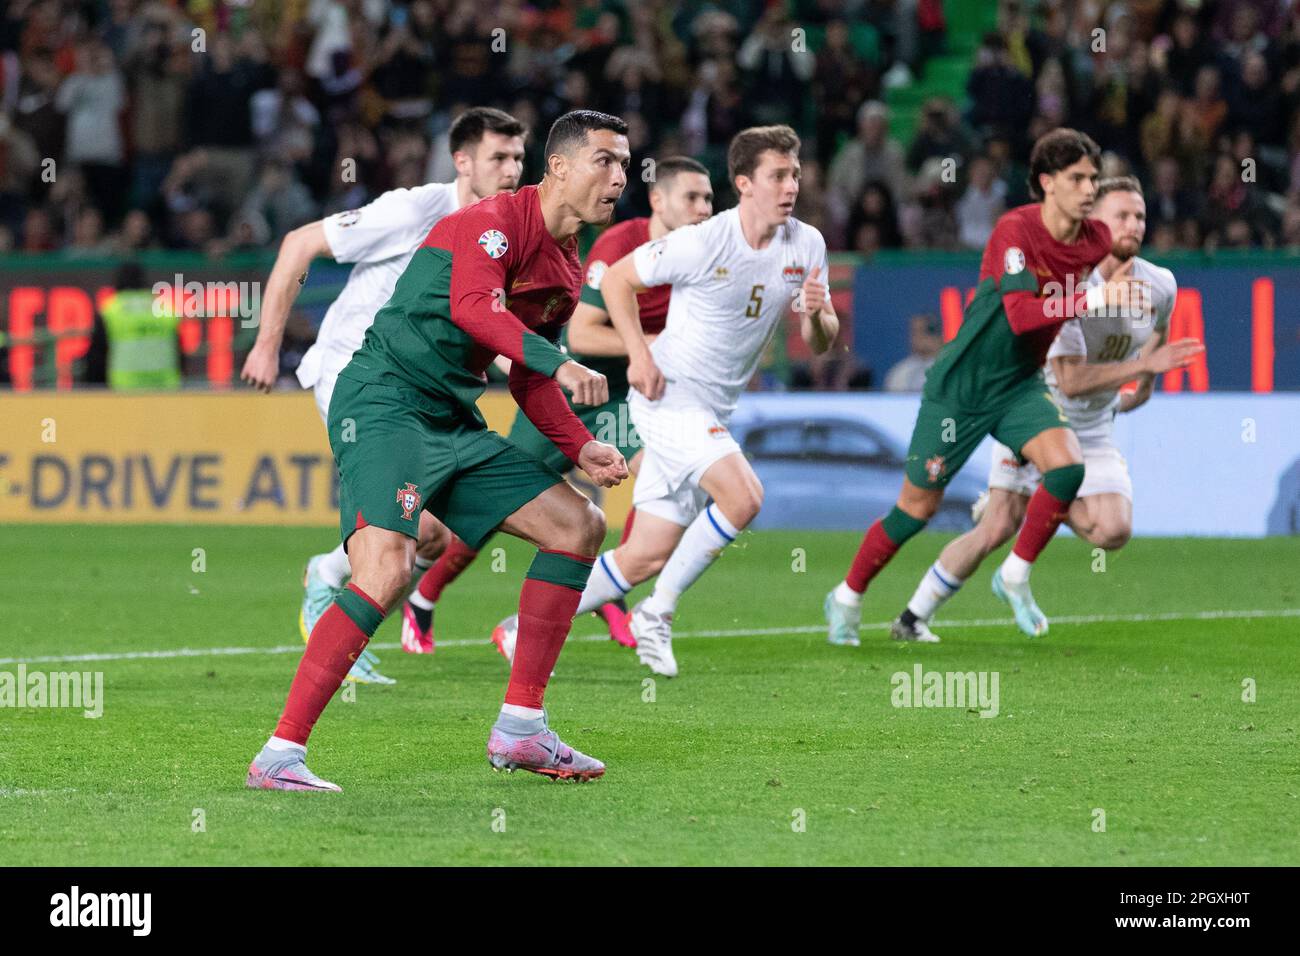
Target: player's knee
(385, 577)
(433, 541)
(1111, 536)
(745, 507)
(590, 530)
(922, 505)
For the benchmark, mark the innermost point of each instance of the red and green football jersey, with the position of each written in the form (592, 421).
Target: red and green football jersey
(488, 280)
(1030, 285)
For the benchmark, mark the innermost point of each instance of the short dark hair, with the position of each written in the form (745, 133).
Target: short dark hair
(1118, 184)
(1057, 150)
(469, 127)
(749, 144)
(570, 130)
(671, 166)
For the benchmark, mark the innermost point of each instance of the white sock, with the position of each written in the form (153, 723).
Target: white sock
(700, 546)
(606, 583)
(525, 713)
(936, 587)
(279, 744)
(1015, 569)
(846, 595)
(334, 568)
(420, 601)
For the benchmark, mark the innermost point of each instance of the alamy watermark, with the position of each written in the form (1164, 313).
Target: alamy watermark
(960, 689)
(194, 299)
(78, 689)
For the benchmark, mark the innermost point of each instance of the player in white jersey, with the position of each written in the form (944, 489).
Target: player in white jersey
(735, 278)
(1088, 363)
(487, 147)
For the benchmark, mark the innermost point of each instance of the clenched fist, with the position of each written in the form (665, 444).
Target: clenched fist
(585, 386)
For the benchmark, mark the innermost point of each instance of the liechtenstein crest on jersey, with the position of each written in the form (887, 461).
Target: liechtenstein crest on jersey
(1013, 261)
(596, 272)
(494, 243)
(409, 499)
(793, 274)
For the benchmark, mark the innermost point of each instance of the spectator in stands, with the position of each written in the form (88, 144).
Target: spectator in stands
(218, 112)
(1208, 105)
(842, 78)
(1168, 203)
(876, 212)
(871, 156)
(92, 98)
(980, 205)
(1002, 97)
(939, 134)
(931, 221)
(156, 64)
(1256, 105)
(774, 74)
(908, 375)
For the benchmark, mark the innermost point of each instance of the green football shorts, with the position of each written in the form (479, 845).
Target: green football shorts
(399, 452)
(945, 436)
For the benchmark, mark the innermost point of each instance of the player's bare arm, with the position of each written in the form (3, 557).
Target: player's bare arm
(1076, 377)
(620, 287)
(297, 250)
(591, 332)
(819, 324)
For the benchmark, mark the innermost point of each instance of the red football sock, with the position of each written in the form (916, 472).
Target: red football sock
(446, 569)
(336, 642)
(873, 554)
(545, 615)
(627, 526)
(1043, 516)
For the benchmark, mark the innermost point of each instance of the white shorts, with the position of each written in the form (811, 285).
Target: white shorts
(682, 438)
(323, 389)
(1105, 472)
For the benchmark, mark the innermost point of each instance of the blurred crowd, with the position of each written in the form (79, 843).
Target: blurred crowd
(218, 125)
(1198, 99)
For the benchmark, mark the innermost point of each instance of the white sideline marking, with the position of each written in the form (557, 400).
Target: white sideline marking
(740, 632)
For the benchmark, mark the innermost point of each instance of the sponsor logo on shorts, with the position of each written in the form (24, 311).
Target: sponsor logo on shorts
(409, 499)
(717, 431)
(494, 243)
(1014, 261)
(935, 467)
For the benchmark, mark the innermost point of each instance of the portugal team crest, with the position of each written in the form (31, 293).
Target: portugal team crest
(934, 467)
(409, 499)
(494, 243)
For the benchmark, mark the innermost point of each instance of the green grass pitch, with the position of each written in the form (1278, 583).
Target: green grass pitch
(772, 747)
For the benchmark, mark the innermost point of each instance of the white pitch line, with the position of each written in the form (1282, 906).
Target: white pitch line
(685, 635)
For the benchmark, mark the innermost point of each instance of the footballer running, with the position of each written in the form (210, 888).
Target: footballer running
(989, 379)
(1086, 367)
(487, 147)
(499, 277)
